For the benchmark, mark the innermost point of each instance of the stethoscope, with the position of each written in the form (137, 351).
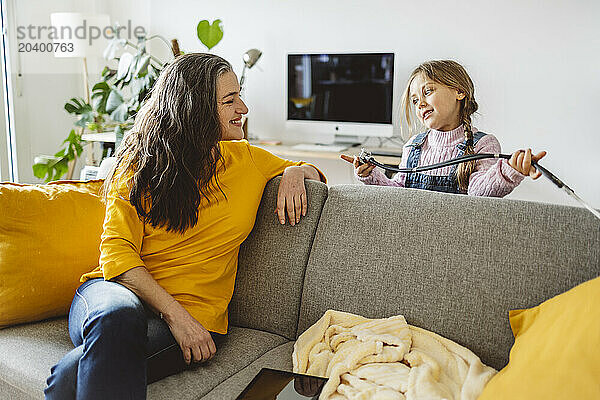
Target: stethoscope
(367, 157)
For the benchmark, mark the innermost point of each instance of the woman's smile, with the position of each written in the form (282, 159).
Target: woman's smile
(236, 122)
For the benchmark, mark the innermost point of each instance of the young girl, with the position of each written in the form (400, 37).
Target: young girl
(182, 198)
(441, 94)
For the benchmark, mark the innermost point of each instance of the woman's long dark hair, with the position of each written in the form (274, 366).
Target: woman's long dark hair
(171, 155)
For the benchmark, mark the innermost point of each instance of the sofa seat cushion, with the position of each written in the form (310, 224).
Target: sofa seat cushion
(29, 351)
(278, 358)
(241, 347)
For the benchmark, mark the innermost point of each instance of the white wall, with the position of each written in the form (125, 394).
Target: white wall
(42, 85)
(535, 65)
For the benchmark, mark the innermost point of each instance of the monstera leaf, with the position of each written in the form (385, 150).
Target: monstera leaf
(117, 107)
(124, 65)
(210, 34)
(100, 93)
(79, 107)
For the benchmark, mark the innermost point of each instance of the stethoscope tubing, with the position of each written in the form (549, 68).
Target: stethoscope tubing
(366, 157)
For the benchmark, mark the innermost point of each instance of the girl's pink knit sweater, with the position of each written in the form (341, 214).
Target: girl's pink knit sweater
(492, 177)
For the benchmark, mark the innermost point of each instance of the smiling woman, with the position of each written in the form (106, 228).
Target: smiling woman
(182, 198)
(231, 106)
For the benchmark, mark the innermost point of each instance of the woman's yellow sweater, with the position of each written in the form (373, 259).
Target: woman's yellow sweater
(197, 267)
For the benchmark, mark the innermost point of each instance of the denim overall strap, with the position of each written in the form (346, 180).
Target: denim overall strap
(463, 146)
(415, 153)
(448, 183)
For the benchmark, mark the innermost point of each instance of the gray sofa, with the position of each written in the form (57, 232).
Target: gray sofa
(452, 264)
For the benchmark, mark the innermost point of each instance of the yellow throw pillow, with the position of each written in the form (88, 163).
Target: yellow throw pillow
(556, 354)
(49, 237)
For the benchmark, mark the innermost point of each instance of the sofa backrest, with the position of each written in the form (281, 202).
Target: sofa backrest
(451, 264)
(271, 265)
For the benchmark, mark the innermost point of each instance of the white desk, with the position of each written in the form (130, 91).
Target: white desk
(337, 170)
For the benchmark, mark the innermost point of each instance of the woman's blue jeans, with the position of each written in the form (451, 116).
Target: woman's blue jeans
(120, 346)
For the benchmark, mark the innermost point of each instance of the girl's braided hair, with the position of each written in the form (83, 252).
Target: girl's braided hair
(453, 75)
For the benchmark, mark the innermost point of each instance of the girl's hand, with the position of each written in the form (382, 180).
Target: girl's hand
(195, 341)
(362, 170)
(291, 195)
(521, 161)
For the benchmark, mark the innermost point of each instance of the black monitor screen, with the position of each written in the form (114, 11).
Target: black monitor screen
(341, 87)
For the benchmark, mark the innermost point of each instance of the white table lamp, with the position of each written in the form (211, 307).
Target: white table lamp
(73, 30)
(80, 36)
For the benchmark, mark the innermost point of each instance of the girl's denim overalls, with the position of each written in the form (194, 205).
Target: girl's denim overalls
(417, 180)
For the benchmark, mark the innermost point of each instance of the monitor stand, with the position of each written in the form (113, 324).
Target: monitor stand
(340, 143)
(329, 148)
(346, 140)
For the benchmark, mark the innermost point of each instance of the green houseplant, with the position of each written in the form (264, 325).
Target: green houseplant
(117, 98)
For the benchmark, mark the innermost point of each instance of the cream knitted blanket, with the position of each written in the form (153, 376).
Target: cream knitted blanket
(386, 359)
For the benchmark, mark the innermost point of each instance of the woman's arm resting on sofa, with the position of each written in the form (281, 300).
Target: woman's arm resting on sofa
(195, 341)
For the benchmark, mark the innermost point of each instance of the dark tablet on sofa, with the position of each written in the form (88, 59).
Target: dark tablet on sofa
(282, 385)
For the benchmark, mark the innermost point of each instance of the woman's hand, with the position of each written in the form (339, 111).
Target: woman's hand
(291, 196)
(362, 170)
(195, 341)
(521, 161)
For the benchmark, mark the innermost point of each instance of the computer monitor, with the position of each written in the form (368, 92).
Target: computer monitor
(336, 96)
